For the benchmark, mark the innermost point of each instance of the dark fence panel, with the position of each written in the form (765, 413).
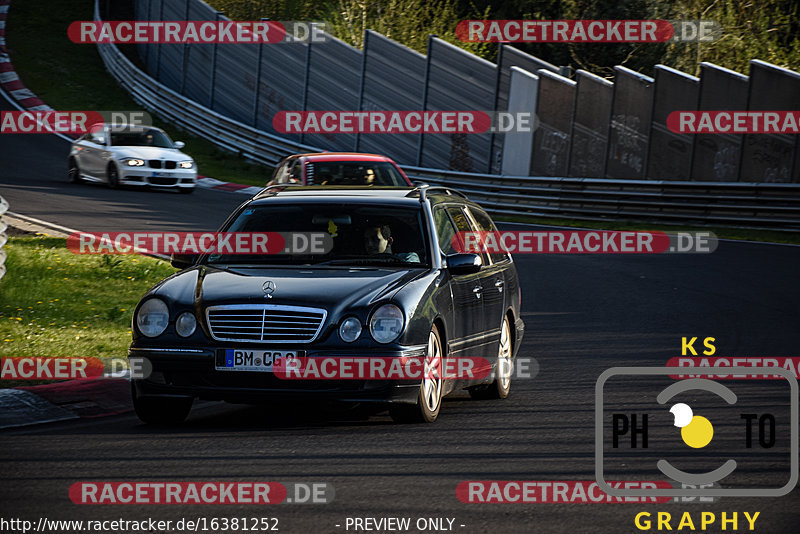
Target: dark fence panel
(551, 142)
(670, 156)
(767, 157)
(282, 83)
(593, 99)
(459, 81)
(170, 56)
(630, 124)
(334, 76)
(717, 156)
(235, 84)
(394, 79)
(199, 59)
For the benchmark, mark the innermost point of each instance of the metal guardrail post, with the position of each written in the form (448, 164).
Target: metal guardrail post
(185, 56)
(158, 49)
(213, 69)
(3, 237)
(425, 96)
(306, 76)
(361, 86)
(258, 81)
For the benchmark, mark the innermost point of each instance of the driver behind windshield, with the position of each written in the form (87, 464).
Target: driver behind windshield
(378, 240)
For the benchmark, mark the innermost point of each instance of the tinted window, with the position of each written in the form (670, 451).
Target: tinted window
(352, 229)
(445, 230)
(355, 173)
(485, 224)
(150, 137)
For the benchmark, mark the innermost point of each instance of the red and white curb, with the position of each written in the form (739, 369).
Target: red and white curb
(9, 80)
(211, 183)
(24, 99)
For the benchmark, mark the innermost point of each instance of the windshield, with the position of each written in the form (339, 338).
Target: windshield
(359, 234)
(354, 173)
(150, 137)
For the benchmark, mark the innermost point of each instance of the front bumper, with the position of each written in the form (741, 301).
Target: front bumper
(192, 373)
(172, 178)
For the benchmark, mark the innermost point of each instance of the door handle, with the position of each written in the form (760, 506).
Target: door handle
(499, 285)
(477, 291)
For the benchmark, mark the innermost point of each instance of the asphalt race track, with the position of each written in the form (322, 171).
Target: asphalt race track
(583, 314)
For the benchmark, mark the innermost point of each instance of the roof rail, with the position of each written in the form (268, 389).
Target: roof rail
(276, 186)
(424, 189)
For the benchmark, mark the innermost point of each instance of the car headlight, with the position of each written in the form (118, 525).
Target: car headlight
(386, 323)
(186, 324)
(186, 164)
(131, 162)
(152, 318)
(350, 329)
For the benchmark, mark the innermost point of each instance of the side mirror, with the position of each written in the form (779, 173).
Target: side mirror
(179, 144)
(464, 263)
(182, 261)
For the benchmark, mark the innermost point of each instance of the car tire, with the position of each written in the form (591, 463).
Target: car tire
(112, 174)
(429, 399)
(501, 386)
(161, 410)
(74, 172)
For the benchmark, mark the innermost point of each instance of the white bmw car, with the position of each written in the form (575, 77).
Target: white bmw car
(132, 155)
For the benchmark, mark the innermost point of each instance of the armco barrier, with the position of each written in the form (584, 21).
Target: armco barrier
(760, 206)
(3, 238)
(755, 205)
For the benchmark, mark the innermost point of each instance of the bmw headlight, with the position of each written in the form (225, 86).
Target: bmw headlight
(131, 162)
(350, 329)
(186, 324)
(152, 318)
(186, 164)
(386, 323)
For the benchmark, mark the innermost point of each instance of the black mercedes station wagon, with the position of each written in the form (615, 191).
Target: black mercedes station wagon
(391, 285)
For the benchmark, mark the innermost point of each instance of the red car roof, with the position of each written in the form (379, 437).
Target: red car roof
(343, 156)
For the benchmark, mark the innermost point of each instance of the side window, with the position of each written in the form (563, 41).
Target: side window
(296, 174)
(98, 137)
(485, 224)
(282, 173)
(463, 225)
(445, 230)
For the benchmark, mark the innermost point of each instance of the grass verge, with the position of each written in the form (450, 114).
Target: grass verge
(56, 303)
(69, 76)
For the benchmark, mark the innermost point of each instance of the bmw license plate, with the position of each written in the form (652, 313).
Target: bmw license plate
(162, 174)
(252, 360)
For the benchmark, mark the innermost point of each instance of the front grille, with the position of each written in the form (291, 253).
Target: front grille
(156, 180)
(170, 164)
(155, 163)
(269, 323)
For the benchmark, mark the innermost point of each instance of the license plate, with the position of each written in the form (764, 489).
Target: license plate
(252, 360)
(162, 174)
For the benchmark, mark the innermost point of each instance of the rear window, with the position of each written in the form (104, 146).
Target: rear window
(354, 173)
